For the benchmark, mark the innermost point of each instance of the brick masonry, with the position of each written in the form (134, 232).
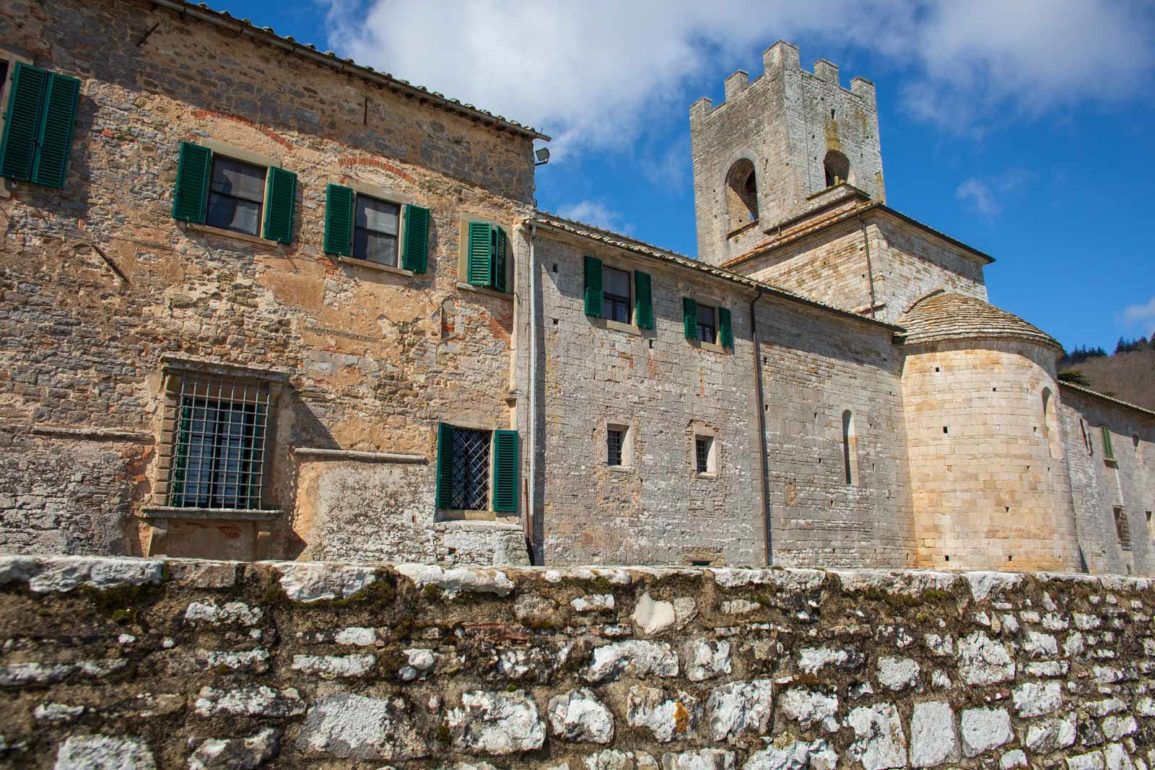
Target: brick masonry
(145, 663)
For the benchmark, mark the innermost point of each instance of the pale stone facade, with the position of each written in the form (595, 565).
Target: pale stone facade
(808, 429)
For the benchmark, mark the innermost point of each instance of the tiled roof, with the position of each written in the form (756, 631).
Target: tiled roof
(948, 316)
(645, 249)
(1105, 397)
(202, 12)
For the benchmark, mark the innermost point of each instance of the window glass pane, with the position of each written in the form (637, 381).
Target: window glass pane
(233, 214)
(238, 179)
(380, 216)
(616, 282)
(375, 247)
(707, 331)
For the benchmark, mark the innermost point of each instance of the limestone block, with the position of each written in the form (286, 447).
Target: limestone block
(633, 658)
(880, 742)
(667, 718)
(810, 707)
(706, 659)
(334, 666)
(1047, 735)
(103, 752)
(897, 673)
(308, 582)
(797, 755)
(985, 729)
(251, 700)
(984, 661)
(579, 716)
(211, 613)
(1037, 698)
(351, 726)
(739, 708)
(933, 740)
(496, 723)
(236, 753)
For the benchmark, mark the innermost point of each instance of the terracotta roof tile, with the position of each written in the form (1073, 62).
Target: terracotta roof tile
(948, 316)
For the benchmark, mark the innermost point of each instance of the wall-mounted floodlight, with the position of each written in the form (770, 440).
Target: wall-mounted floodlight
(542, 156)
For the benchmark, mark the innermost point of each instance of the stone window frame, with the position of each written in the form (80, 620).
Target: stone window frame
(177, 369)
(627, 457)
(714, 459)
(244, 155)
(849, 445)
(386, 195)
(11, 58)
(1122, 527)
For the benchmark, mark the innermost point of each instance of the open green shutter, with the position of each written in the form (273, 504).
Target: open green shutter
(415, 255)
(500, 258)
(280, 203)
(690, 318)
(594, 299)
(55, 142)
(643, 300)
(479, 270)
(192, 183)
(338, 220)
(22, 122)
(444, 466)
(505, 471)
(725, 329)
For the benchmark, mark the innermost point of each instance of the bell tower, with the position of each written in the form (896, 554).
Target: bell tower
(778, 148)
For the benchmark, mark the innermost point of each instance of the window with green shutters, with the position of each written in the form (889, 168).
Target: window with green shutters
(708, 324)
(725, 329)
(230, 194)
(38, 126)
(364, 227)
(487, 256)
(690, 318)
(607, 294)
(477, 470)
(643, 300)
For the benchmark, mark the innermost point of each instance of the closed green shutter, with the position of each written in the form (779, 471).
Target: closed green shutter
(55, 141)
(725, 329)
(444, 466)
(643, 301)
(505, 471)
(500, 258)
(1108, 450)
(690, 318)
(479, 268)
(280, 203)
(338, 220)
(415, 256)
(22, 122)
(192, 183)
(594, 298)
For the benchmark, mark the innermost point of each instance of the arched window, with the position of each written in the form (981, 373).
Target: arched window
(1050, 423)
(837, 168)
(849, 448)
(741, 194)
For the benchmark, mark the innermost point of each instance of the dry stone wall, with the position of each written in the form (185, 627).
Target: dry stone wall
(143, 664)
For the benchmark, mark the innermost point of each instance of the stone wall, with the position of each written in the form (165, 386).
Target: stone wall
(99, 284)
(1109, 543)
(143, 664)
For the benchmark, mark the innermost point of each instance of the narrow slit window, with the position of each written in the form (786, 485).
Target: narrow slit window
(375, 228)
(616, 300)
(707, 324)
(236, 195)
(849, 449)
(704, 459)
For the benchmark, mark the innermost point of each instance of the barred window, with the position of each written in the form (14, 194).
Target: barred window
(219, 444)
(704, 458)
(470, 490)
(1122, 528)
(615, 440)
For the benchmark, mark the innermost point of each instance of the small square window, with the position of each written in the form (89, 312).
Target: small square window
(707, 324)
(375, 227)
(616, 295)
(236, 195)
(615, 443)
(704, 460)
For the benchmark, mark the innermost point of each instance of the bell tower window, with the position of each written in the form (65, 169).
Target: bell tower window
(741, 195)
(837, 168)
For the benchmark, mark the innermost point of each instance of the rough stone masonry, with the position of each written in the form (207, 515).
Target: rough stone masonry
(133, 663)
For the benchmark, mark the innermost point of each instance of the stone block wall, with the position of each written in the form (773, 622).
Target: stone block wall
(98, 283)
(1114, 498)
(146, 664)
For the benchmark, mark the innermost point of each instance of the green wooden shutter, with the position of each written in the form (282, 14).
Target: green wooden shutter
(415, 256)
(55, 141)
(500, 258)
(643, 300)
(22, 122)
(444, 466)
(690, 318)
(479, 268)
(505, 471)
(725, 329)
(280, 203)
(338, 220)
(1108, 450)
(190, 197)
(594, 299)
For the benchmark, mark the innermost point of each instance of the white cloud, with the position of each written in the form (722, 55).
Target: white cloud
(1140, 316)
(595, 73)
(986, 197)
(594, 213)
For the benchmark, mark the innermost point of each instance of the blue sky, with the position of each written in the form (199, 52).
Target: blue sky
(1023, 129)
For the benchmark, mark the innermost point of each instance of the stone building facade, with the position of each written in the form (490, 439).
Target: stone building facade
(260, 302)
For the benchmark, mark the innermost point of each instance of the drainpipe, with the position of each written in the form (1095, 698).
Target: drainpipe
(531, 500)
(767, 531)
(869, 267)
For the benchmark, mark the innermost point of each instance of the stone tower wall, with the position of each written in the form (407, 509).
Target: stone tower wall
(988, 473)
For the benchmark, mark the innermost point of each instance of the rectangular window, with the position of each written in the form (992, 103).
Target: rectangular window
(615, 443)
(470, 483)
(707, 324)
(487, 256)
(38, 122)
(704, 454)
(1108, 450)
(616, 301)
(375, 230)
(219, 444)
(1122, 529)
(236, 195)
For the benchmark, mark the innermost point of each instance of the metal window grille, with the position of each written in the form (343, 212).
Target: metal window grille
(702, 453)
(219, 444)
(470, 469)
(1122, 528)
(615, 440)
